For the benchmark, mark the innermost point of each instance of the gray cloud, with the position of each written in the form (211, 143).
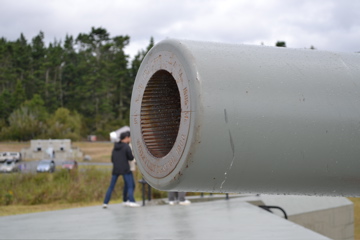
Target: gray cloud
(327, 25)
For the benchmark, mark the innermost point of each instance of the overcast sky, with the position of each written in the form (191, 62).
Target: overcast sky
(331, 25)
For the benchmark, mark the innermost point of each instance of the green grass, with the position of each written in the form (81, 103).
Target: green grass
(32, 192)
(26, 192)
(84, 186)
(62, 186)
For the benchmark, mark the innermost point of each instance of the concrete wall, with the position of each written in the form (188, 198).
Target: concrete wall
(330, 216)
(58, 149)
(337, 223)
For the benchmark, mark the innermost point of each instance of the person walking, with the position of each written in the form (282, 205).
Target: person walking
(120, 157)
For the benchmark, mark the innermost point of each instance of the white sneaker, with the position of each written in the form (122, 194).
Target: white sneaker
(186, 202)
(133, 204)
(126, 203)
(104, 205)
(172, 203)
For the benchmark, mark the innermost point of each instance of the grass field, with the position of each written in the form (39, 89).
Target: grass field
(13, 146)
(98, 151)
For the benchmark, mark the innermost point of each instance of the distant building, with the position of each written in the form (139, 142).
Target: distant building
(57, 149)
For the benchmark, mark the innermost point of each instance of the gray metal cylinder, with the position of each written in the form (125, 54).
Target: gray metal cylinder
(217, 117)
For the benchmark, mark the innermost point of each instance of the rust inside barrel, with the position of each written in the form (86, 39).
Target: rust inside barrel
(160, 113)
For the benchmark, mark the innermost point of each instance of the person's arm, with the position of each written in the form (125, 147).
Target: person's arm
(129, 154)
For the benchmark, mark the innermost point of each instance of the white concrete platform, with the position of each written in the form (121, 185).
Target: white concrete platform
(221, 219)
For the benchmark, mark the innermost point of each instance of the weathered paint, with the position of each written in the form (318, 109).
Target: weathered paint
(253, 119)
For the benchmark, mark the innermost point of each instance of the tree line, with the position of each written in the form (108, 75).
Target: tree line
(68, 89)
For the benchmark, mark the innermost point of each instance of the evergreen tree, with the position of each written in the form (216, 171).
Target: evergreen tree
(5, 105)
(22, 62)
(99, 74)
(87, 78)
(37, 105)
(136, 62)
(53, 71)
(91, 48)
(70, 75)
(37, 68)
(121, 81)
(280, 44)
(19, 96)
(7, 72)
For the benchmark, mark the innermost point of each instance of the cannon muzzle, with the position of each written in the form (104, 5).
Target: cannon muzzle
(216, 117)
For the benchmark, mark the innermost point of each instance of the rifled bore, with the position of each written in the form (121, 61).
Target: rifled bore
(160, 113)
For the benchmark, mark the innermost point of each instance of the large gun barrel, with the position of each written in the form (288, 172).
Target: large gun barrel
(216, 117)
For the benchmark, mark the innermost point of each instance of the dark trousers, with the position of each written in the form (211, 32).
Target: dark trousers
(129, 186)
(180, 196)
